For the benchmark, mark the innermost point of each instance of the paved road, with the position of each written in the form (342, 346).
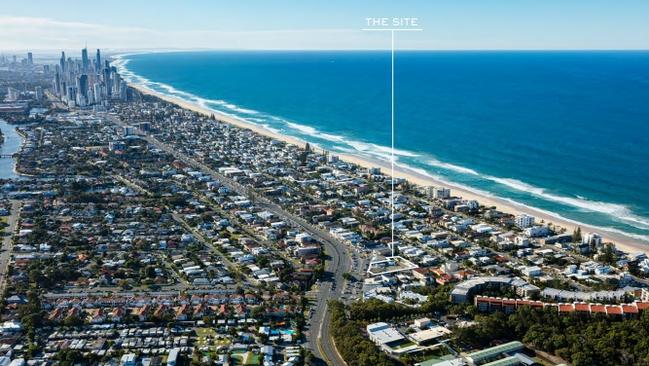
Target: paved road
(208, 243)
(5, 254)
(319, 336)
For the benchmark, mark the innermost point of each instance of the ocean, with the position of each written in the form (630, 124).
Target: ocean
(563, 132)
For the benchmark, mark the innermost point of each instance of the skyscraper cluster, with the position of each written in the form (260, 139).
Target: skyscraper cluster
(88, 82)
(14, 63)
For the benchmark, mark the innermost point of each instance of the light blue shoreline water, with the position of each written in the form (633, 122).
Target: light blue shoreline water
(10, 146)
(564, 132)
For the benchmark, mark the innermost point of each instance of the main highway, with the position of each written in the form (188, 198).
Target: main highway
(319, 338)
(5, 254)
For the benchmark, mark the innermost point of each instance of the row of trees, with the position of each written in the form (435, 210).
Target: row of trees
(580, 340)
(377, 310)
(354, 347)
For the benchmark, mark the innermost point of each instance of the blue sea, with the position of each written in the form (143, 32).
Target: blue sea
(563, 132)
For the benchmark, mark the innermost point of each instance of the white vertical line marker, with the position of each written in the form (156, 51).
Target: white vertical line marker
(392, 30)
(392, 133)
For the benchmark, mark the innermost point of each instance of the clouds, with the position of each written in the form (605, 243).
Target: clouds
(445, 31)
(45, 33)
(19, 33)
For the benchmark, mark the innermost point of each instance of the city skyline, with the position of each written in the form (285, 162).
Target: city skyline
(467, 25)
(282, 184)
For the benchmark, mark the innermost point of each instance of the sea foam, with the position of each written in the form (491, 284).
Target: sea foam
(279, 125)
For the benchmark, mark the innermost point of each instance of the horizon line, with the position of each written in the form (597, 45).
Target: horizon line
(194, 49)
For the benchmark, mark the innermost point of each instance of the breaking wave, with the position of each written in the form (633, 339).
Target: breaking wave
(344, 144)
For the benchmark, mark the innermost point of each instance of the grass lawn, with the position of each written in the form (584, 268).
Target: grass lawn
(237, 358)
(245, 359)
(254, 359)
(3, 223)
(403, 345)
(207, 337)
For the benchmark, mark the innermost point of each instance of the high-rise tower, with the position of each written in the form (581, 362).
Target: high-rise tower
(98, 62)
(62, 62)
(84, 60)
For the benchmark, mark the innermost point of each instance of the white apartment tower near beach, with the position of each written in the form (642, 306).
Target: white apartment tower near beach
(438, 193)
(593, 239)
(524, 221)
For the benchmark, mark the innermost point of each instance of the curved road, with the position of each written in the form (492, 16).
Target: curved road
(319, 336)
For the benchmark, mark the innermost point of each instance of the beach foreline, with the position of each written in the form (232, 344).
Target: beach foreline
(621, 241)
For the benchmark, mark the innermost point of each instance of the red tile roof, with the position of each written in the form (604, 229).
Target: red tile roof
(633, 308)
(642, 305)
(614, 310)
(597, 309)
(629, 309)
(566, 308)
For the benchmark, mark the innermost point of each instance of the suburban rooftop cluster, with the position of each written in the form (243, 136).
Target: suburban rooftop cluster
(141, 232)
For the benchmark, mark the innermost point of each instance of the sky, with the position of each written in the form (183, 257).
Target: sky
(331, 24)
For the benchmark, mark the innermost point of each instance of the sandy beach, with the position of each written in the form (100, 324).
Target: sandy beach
(621, 241)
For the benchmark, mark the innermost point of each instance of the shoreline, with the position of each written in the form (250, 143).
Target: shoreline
(16, 154)
(621, 241)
